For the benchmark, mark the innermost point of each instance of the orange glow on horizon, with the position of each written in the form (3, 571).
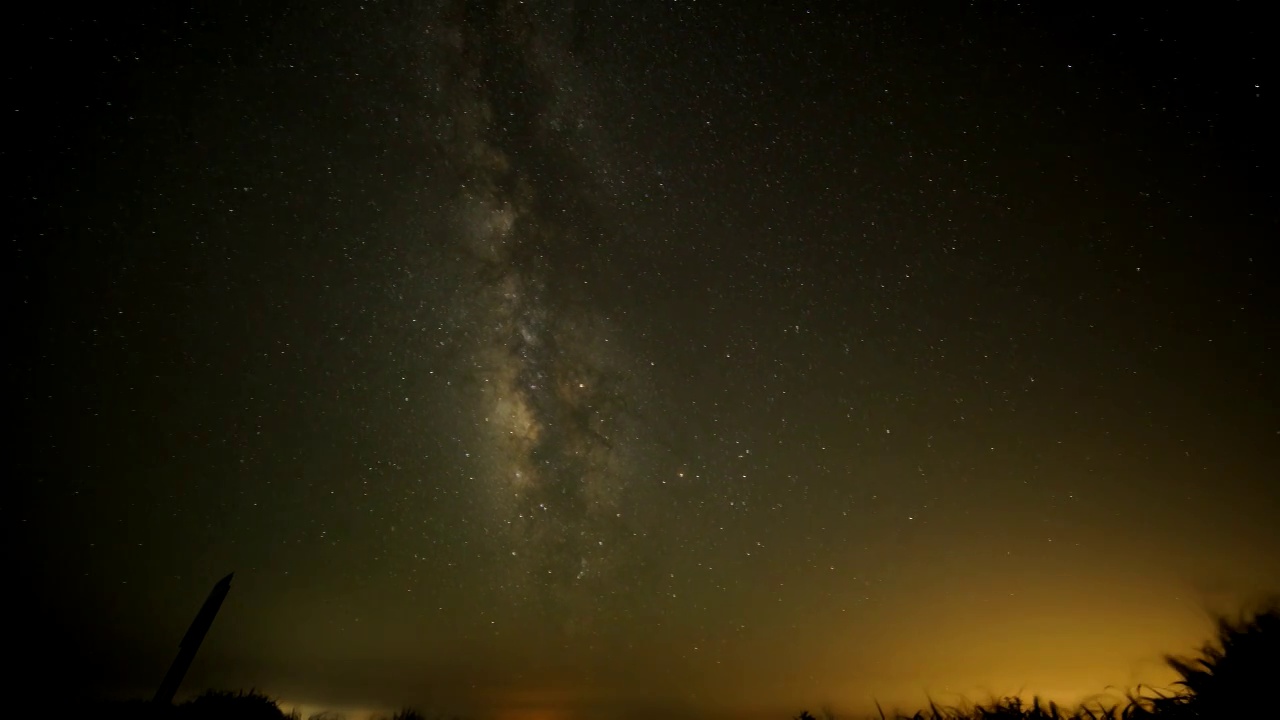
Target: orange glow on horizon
(534, 714)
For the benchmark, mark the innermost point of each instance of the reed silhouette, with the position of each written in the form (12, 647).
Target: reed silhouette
(1229, 679)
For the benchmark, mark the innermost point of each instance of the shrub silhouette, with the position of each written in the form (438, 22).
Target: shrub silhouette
(223, 705)
(211, 705)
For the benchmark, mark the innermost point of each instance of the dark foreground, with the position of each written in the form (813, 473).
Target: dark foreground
(1231, 677)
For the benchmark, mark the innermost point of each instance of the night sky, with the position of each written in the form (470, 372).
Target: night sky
(639, 359)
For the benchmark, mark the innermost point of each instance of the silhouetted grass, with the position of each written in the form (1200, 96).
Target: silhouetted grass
(1229, 679)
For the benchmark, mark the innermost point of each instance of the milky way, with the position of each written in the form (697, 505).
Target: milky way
(609, 359)
(554, 383)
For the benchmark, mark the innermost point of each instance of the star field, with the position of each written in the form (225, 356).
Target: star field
(595, 359)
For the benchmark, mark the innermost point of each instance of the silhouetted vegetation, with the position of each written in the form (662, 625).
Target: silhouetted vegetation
(223, 705)
(212, 705)
(1228, 679)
